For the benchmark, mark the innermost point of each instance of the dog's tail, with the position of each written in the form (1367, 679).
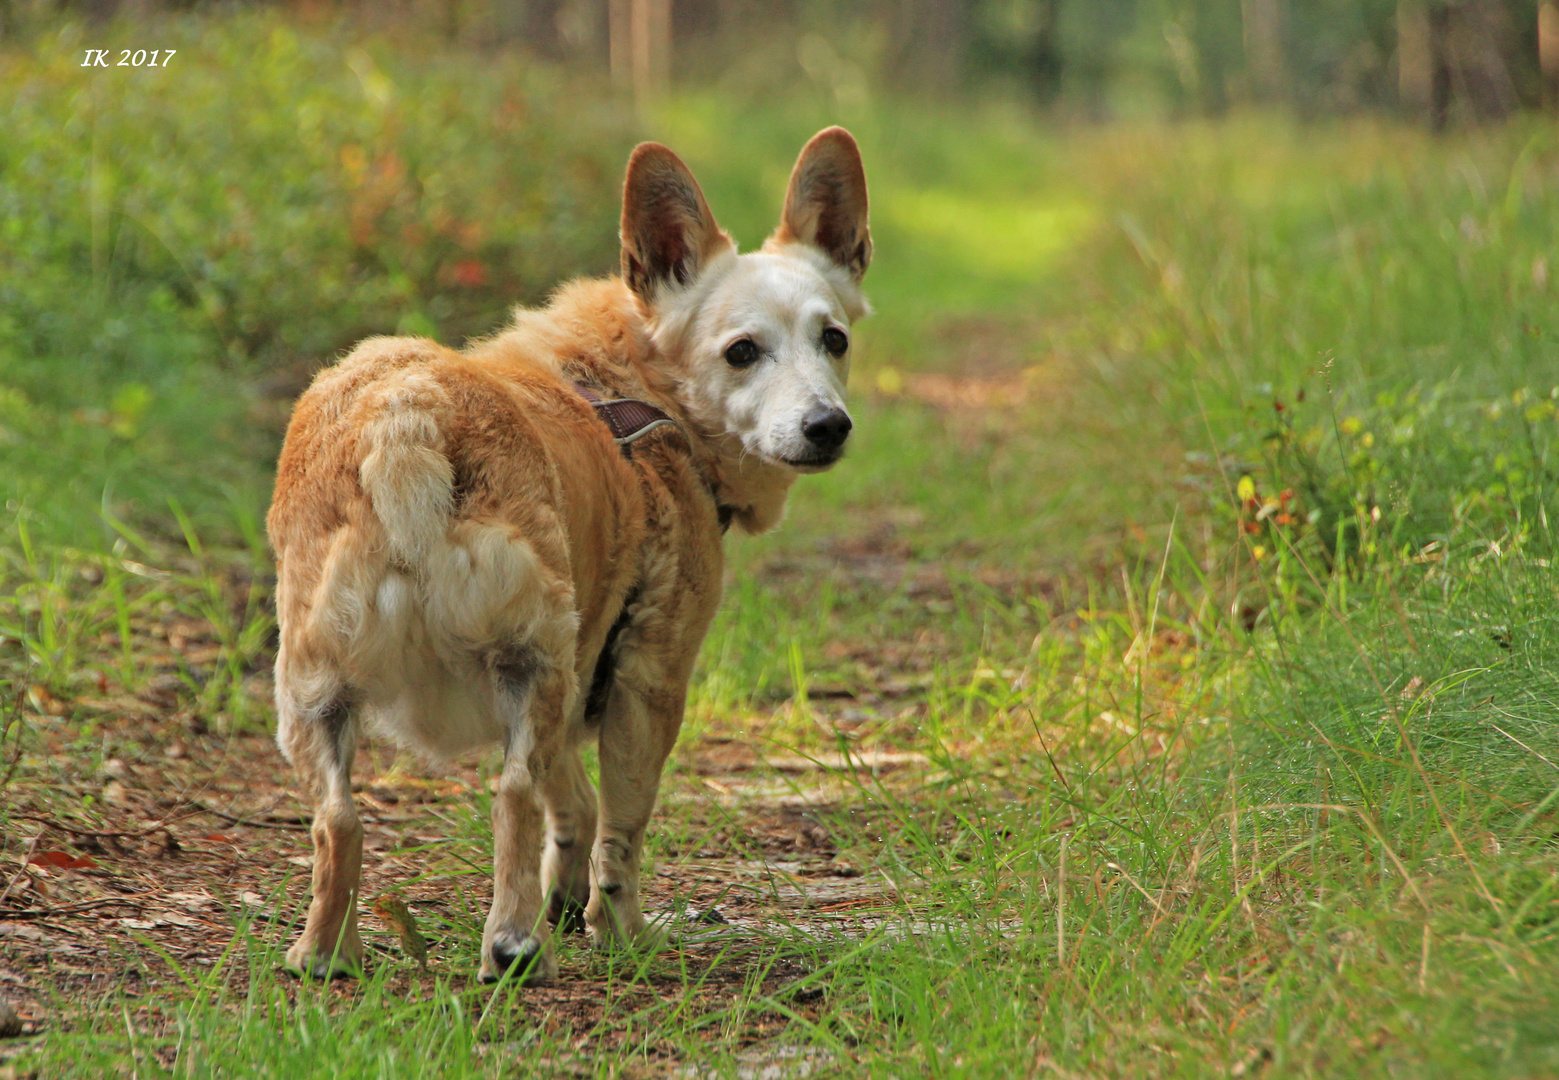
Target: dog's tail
(405, 473)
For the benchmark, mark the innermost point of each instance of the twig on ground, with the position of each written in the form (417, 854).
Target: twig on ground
(98, 834)
(32, 850)
(72, 909)
(255, 822)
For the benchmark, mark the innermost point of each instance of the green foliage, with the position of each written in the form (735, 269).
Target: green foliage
(292, 193)
(267, 197)
(1425, 479)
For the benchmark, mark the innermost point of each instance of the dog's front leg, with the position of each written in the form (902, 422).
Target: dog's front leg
(516, 936)
(637, 734)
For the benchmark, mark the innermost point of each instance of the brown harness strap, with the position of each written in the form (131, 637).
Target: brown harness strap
(628, 419)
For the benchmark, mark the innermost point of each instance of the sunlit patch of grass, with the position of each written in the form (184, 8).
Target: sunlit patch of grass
(969, 239)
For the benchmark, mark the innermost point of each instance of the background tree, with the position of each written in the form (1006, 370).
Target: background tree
(1443, 59)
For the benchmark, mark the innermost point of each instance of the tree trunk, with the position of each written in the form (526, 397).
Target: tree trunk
(1548, 50)
(652, 52)
(1478, 45)
(1046, 58)
(1414, 67)
(1264, 56)
(619, 32)
(1423, 59)
(1439, 67)
(1457, 52)
(639, 33)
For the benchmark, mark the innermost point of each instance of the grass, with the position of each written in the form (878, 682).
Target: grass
(1197, 536)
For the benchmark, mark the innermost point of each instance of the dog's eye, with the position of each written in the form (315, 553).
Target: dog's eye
(834, 341)
(742, 353)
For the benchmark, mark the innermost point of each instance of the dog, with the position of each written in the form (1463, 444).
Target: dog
(520, 543)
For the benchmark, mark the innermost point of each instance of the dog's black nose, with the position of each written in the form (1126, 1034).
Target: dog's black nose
(827, 429)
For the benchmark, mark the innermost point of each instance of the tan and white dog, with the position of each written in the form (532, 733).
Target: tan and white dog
(521, 543)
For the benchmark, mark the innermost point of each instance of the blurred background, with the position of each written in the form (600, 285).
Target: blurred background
(246, 189)
(1088, 212)
(1090, 60)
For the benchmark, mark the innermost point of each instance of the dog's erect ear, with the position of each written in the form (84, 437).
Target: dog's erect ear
(668, 230)
(825, 204)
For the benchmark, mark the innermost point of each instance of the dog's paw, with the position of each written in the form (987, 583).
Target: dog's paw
(306, 962)
(613, 931)
(529, 958)
(566, 912)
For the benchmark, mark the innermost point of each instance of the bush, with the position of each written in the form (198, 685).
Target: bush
(268, 197)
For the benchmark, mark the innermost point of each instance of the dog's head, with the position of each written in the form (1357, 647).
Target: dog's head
(759, 343)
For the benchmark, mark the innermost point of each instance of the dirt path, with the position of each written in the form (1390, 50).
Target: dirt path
(206, 840)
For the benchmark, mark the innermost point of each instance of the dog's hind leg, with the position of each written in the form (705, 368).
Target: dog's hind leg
(565, 862)
(531, 694)
(321, 740)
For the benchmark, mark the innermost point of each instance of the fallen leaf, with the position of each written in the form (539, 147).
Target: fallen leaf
(190, 901)
(23, 931)
(62, 860)
(45, 702)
